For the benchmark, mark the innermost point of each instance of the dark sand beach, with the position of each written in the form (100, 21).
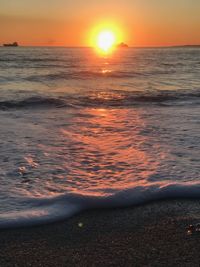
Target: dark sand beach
(154, 234)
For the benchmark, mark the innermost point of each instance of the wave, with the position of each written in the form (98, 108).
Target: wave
(82, 75)
(111, 98)
(115, 98)
(47, 210)
(29, 60)
(90, 75)
(32, 102)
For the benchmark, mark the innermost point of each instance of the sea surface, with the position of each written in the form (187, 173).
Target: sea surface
(81, 130)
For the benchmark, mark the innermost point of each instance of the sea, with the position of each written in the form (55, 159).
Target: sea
(83, 130)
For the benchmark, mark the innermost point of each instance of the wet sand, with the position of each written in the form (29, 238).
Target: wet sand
(150, 235)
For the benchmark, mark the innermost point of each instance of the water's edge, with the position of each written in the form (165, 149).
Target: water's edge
(49, 210)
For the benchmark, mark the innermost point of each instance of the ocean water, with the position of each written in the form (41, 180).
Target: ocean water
(80, 130)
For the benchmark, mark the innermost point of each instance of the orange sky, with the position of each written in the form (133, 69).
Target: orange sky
(70, 23)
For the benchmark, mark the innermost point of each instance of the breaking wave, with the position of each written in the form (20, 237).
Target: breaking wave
(111, 98)
(32, 102)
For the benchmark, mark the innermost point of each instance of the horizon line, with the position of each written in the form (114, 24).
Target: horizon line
(65, 46)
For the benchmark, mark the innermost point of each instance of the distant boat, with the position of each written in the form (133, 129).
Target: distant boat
(15, 44)
(122, 45)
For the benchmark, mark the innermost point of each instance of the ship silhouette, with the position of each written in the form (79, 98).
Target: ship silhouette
(15, 44)
(122, 45)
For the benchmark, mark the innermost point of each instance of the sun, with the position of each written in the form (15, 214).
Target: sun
(106, 40)
(105, 35)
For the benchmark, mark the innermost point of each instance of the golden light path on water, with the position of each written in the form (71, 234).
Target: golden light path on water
(102, 152)
(109, 157)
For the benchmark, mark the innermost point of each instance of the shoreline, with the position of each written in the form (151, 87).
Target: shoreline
(153, 234)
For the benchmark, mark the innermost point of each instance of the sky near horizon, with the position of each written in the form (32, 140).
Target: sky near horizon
(71, 22)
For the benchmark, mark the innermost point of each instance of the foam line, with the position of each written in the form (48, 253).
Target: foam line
(46, 210)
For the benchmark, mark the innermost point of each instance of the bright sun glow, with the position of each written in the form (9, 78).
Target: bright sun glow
(105, 36)
(106, 40)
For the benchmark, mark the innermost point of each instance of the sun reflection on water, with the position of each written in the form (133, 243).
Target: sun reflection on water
(105, 151)
(106, 71)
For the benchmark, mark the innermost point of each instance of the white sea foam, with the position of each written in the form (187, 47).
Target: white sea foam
(46, 210)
